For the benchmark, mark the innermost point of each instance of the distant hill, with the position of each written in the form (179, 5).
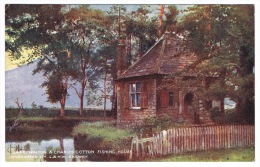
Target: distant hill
(21, 84)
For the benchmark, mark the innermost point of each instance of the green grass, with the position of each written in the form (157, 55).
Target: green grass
(224, 155)
(66, 118)
(37, 119)
(103, 130)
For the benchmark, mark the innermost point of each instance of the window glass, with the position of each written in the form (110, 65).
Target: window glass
(138, 87)
(133, 86)
(133, 100)
(138, 99)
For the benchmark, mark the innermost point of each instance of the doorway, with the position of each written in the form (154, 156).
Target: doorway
(189, 111)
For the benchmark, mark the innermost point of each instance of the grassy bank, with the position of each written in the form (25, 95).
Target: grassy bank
(53, 112)
(66, 118)
(104, 130)
(42, 117)
(105, 139)
(223, 155)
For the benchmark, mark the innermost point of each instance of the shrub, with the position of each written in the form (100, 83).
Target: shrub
(230, 117)
(154, 124)
(215, 113)
(164, 121)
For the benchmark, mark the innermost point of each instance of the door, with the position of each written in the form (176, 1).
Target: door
(188, 109)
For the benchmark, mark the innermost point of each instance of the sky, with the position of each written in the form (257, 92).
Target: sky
(155, 8)
(133, 7)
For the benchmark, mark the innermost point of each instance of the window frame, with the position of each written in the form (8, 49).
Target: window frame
(135, 93)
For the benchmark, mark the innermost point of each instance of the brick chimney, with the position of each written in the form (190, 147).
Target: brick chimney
(121, 58)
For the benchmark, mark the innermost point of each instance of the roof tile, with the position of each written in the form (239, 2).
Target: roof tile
(167, 56)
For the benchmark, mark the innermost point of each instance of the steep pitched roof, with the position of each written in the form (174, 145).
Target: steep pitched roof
(167, 56)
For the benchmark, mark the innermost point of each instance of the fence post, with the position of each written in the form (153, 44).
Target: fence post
(137, 146)
(165, 141)
(169, 141)
(210, 138)
(153, 146)
(174, 134)
(220, 137)
(184, 139)
(193, 132)
(177, 141)
(134, 141)
(206, 138)
(161, 143)
(228, 136)
(240, 136)
(131, 149)
(224, 136)
(158, 143)
(189, 139)
(232, 136)
(141, 146)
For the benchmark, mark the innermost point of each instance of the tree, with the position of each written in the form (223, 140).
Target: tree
(57, 73)
(171, 18)
(87, 28)
(66, 47)
(223, 39)
(42, 27)
(106, 56)
(142, 30)
(27, 26)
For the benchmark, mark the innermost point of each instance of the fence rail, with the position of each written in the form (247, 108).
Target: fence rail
(180, 140)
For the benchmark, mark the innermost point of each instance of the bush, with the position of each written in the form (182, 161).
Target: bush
(215, 114)
(164, 121)
(230, 117)
(154, 124)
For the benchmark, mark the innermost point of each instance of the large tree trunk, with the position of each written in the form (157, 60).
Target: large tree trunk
(81, 96)
(63, 97)
(114, 104)
(105, 89)
(83, 65)
(62, 107)
(81, 99)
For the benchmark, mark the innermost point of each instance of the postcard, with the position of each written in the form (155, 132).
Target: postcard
(129, 82)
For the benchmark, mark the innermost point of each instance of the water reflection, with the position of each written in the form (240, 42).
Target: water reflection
(53, 146)
(45, 150)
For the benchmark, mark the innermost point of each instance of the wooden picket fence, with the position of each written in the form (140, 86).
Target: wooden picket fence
(190, 139)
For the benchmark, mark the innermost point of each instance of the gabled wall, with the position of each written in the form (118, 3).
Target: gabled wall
(164, 88)
(162, 96)
(126, 115)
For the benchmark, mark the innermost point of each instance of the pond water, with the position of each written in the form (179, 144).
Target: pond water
(43, 149)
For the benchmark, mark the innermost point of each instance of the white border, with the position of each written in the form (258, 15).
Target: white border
(151, 164)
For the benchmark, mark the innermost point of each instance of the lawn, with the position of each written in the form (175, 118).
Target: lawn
(104, 130)
(223, 155)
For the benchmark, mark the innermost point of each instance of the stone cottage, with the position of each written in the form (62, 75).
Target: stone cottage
(151, 86)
